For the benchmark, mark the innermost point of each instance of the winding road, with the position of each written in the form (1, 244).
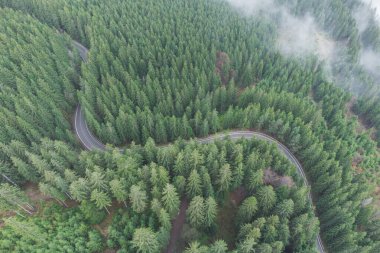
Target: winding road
(90, 142)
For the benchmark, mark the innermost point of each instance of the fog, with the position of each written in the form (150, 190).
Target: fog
(375, 4)
(300, 36)
(297, 36)
(370, 60)
(249, 7)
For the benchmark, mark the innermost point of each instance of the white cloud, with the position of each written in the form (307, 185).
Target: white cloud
(252, 6)
(375, 4)
(297, 36)
(370, 60)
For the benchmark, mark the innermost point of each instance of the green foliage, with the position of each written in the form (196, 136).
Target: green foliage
(194, 184)
(124, 223)
(196, 212)
(145, 241)
(94, 217)
(218, 247)
(247, 210)
(266, 198)
(175, 76)
(59, 230)
(138, 199)
(170, 200)
(101, 199)
(12, 199)
(37, 91)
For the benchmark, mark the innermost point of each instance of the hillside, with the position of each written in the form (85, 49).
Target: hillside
(189, 126)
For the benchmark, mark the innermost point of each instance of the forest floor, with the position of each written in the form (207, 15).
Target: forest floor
(35, 196)
(104, 225)
(33, 193)
(177, 225)
(363, 126)
(226, 219)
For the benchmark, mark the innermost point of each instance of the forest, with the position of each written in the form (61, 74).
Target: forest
(169, 88)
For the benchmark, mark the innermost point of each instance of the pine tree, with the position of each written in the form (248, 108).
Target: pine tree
(27, 229)
(96, 179)
(180, 184)
(118, 190)
(12, 198)
(164, 219)
(195, 247)
(210, 212)
(101, 199)
(145, 241)
(138, 199)
(285, 208)
(255, 179)
(219, 246)
(266, 198)
(247, 210)
(194, 186)
(170, 199)
(79, 189)
(196, 212)
(225, 178)
(248, 245)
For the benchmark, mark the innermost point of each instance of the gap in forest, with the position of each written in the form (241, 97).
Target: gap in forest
(227, 229)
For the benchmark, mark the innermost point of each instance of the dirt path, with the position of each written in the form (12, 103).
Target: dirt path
(177, 226)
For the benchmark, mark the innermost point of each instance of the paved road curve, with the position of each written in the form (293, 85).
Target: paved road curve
(84, 134)
(90, 142)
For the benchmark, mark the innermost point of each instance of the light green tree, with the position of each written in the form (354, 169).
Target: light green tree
(144, 240)
(247, 210)
(196, 212)
(164, 219)
(138, 198)
(171, 200)
(79, 189)
(118, 190)
(225, 178)
(210, 211)
(194, 184)
(266, 198)
(218, 246)
(101, 199)
(196, 247)
(285, 208)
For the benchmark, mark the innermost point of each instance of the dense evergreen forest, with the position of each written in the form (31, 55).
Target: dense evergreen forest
(159, 74)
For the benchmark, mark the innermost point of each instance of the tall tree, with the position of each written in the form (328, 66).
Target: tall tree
(145, 241)
(170, 199)
(101, 199)
(118, 190)
(225, 178)
(266, 197)
(210, 211)
(79, 189)
(219, 246)
(194, 184)
(247, 210)
(196, 212)
(138, 198)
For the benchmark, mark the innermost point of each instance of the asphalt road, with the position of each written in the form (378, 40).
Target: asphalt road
(83, 51)
(84, 134)
(90, 142)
